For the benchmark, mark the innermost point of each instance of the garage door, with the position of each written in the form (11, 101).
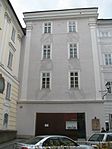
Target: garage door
(69, 124)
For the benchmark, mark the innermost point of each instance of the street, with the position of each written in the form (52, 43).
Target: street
(9, 145)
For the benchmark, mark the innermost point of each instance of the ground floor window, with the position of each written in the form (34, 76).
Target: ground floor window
(5, 120)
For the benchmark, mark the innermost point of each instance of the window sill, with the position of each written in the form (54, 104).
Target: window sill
(46, 59)
(73, 58)
(74, 89)
(47, 33)
(72, 32)
(45, 89)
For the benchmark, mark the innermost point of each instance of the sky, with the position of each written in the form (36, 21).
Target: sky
(20, 6)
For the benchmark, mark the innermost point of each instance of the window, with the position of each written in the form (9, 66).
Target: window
(108, 59)
(10, 59)
(45, 80)
(74, 80)
(96, 137)
(52, 142)
(46, 52)
(13, 34)
(67, 142)
(109, 138)
(73, 51)
(47, 27)
(104, 34)
(5, 120)
(71, 26)
(8, 91)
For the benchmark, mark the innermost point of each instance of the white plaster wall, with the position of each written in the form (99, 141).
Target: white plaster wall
(60, 65)
(26, 114)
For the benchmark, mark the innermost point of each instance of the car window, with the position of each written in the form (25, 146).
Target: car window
(51, 142)
(34, 140)
(67, 142)
(96, 137)
(109, 138)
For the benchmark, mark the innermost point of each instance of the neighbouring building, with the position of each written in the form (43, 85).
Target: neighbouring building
(11, 33)
(104, 36)
(61, 80)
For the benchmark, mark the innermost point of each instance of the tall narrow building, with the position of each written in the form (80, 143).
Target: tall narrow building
(104, 35)
(60, 85)
(11, 33)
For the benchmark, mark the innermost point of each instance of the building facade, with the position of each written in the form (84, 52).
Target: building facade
(60, 74)
(104, 35)
(11, 33)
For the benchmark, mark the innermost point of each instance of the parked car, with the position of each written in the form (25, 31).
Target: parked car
(101, 140)
(51, 142)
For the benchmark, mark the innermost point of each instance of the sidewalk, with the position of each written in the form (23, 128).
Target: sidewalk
(7, 145)
(10, 144)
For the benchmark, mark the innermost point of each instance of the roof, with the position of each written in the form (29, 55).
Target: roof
(44, 11)
(61, 14)
(104, 21)
(9, 3)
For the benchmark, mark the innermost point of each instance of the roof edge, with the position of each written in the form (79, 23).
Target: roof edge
(9, 3)
(42, 11)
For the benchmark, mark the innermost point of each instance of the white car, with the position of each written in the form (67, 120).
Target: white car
(101, 140)
(51, 142)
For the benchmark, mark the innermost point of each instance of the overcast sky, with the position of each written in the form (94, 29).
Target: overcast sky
(20, 6)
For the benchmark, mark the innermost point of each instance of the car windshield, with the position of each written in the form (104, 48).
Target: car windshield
(96, 137)
(34, 140)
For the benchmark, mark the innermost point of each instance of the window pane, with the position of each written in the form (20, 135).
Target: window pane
(10, 59)
(5, 121)
(74, 83)
(46, 80)
(108, 59)
(8, 91)
(73, 50)
(46, 52)
(47, 27)
(72, 26)
(13, 34)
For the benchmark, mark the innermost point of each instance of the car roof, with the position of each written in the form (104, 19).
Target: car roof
(52, 136)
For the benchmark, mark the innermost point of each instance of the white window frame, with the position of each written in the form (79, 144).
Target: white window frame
(77, 46)
(8, 91)
(10, 59)
(47, 27)
(68, 26)
(13, 35)
(75, 88)
(104, 57)
(41, 77)
(42, 56)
